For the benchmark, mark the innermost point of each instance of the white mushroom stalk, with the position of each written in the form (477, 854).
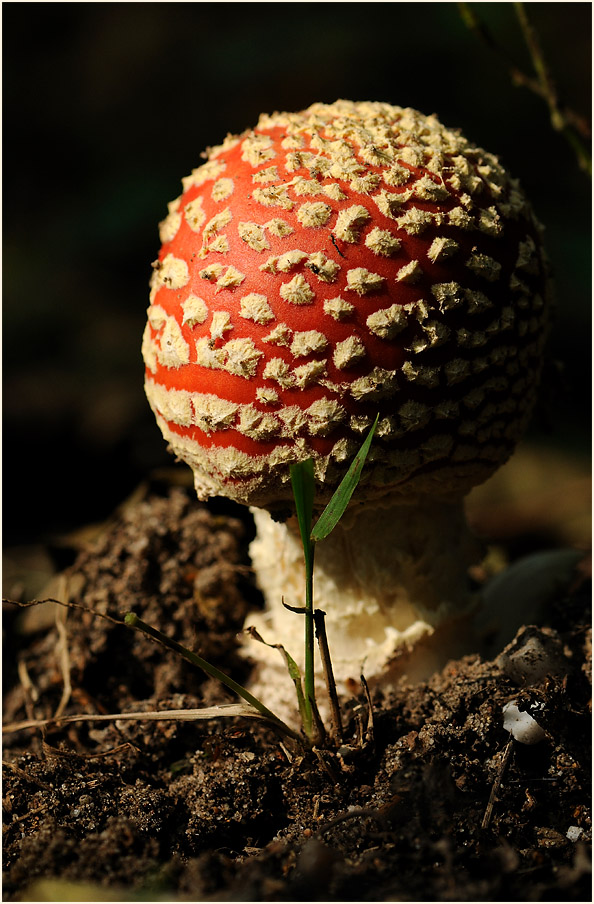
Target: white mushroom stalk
(386, 578)
(324, 267)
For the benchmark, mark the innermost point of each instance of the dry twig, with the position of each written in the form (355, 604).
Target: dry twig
(497, 784)
(63, 652)
(563, 119)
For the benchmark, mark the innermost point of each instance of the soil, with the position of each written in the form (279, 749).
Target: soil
(427, 798)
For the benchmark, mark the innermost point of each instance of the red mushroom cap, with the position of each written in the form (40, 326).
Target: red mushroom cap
(330, 264)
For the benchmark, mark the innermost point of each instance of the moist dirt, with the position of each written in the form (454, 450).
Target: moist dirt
(427, 798)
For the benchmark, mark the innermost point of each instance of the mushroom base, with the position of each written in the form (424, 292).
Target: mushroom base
(393, 582)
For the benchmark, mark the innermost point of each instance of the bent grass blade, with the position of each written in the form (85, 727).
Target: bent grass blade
(133, 621)
(292, 668)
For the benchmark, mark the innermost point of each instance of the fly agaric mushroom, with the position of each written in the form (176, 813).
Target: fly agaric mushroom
(350, 259)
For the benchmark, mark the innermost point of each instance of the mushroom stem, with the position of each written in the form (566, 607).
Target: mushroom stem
(386, 578)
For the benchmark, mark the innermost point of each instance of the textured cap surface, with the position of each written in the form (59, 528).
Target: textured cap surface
(330, 264)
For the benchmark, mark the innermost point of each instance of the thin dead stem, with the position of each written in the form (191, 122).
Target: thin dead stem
(564, 120)
(69, 605)
(25, 776)
(30, 694)
(63, 651)
(29, 813)
(166, 715)
(497, 784)
(29, 690)
(242, 710)
(370, 730)
(335, 715)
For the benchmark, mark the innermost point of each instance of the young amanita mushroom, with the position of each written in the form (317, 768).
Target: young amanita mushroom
(327, 265)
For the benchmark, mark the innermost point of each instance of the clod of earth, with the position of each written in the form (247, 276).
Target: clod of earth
(323, 267)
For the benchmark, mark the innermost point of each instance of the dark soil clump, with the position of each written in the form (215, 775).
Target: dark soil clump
(430, 799)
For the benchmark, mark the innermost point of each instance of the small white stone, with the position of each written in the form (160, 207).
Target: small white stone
(521, 725)
(574, 833)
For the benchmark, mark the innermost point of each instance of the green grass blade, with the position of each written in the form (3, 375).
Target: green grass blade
(341, 498)
(292, 668)
(302, 481)
(295, 674)
(133, 621)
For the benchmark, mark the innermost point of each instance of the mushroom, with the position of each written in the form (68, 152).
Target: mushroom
(323, 267)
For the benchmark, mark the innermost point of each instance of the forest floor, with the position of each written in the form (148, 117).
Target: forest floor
(428, 799)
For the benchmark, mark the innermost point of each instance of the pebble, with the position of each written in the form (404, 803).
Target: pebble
(521, 725)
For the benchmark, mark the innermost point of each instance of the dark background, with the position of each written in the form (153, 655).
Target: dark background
(107, 106)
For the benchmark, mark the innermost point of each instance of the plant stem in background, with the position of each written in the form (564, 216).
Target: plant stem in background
(564, 120)
(559, 117)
